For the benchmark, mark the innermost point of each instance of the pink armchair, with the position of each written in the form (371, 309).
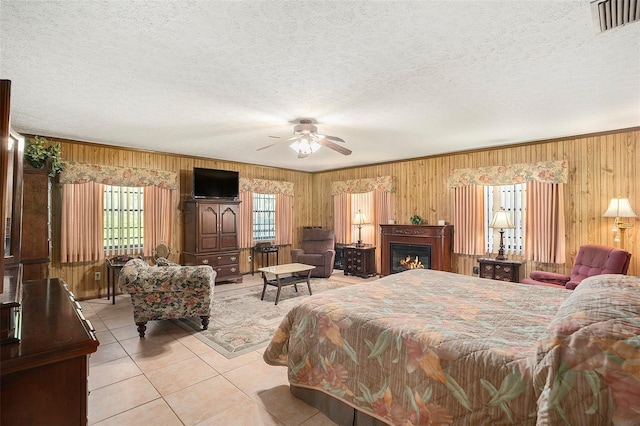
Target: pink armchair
(591, 260)
(317, 248)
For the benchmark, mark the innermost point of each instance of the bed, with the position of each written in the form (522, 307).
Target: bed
(431, 347)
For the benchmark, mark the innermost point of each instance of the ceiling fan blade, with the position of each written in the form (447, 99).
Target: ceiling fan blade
(342, 150)
(331, 138)
(279, 141)
(269, 146)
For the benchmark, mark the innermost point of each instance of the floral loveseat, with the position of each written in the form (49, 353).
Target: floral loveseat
(167, 291)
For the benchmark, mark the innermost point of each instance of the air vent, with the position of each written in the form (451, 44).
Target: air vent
(608, 14)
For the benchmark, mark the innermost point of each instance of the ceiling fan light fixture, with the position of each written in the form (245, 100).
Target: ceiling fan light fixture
(305, 146)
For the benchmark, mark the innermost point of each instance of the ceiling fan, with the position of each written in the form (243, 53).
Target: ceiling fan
(306, 140)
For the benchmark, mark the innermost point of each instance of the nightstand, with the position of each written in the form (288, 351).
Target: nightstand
(502, 270)
(360, 261)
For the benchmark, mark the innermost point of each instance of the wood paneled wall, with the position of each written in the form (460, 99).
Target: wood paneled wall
(80, 276)
(601, 166)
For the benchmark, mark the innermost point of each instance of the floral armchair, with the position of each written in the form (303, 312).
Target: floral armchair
(167, 291)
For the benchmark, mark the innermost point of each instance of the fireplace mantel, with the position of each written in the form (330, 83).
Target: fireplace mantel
(438, 237)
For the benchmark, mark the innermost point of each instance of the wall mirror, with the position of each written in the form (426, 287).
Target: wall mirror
(13, 199)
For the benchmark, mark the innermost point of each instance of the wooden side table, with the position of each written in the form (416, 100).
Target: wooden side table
(114, 266)
(502, 270)
(360, 261)
(263, 250)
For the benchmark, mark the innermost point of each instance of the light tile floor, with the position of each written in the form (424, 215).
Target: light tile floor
(172, 378)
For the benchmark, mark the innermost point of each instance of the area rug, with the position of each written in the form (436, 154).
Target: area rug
(240, 322)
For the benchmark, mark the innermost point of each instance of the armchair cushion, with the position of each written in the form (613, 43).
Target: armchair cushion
(544, 277)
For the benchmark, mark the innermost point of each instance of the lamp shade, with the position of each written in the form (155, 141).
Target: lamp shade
(619, 207)
(360, 219)
(502, 220)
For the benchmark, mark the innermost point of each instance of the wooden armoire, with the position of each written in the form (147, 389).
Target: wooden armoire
(36, 224)
(211, 236)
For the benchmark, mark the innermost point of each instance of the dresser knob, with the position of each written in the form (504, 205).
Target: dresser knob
(233, 269)
(233, 258)
(205, 261)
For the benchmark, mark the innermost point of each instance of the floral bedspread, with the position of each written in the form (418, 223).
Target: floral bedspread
(588, 369)
(429, 347)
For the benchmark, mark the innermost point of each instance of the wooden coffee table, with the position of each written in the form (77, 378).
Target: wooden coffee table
(292, 279)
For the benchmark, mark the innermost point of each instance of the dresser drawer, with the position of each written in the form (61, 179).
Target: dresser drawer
(486, 270)
(213, 260)
(226, 271)
(503, 273)
(226, 264)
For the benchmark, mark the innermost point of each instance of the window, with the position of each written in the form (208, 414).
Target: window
(264, 217)
(123, 218)
(363, 203)
(512, 198)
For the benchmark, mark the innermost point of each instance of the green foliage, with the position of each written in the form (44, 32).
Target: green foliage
(39, 152)
(416, 220)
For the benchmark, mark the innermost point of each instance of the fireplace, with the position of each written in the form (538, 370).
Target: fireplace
(430, 244)
(409, 256)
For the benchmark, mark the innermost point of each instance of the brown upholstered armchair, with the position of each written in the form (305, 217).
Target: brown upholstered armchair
(317, 248)
(591, 260)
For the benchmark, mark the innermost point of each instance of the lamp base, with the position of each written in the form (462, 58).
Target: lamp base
(501, 255)
(359, 244)
(622, 227)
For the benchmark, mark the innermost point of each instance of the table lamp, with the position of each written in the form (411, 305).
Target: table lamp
(502, 220)
(619, 208)
(360, 219)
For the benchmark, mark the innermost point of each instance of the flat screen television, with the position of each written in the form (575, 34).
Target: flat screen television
(211, 183)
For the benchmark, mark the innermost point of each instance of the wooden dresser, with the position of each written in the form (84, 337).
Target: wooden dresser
(44, 376)
(211, 236)
(360, 261)
(502, 270)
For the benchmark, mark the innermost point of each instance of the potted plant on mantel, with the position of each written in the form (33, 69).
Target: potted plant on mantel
(416, 220)
(41, 153)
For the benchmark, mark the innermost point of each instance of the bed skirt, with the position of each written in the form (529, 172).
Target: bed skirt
(336, 410)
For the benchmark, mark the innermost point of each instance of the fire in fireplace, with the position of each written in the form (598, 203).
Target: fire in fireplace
(409, 256)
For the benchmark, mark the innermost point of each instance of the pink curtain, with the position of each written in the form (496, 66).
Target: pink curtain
(342, 217)
(545, 238)
(284, 219)
(468, 220)
(384, 207)
(245, 220)
(82, 222)
(157, 218)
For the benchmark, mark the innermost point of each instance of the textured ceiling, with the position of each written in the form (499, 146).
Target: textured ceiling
(395, 79)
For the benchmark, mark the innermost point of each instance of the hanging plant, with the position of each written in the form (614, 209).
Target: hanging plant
(40, 152)
(416, 220)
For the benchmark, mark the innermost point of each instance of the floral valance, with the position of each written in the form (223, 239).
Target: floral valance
(262, 186)
(358, 186)
(544, 171)
(122, 176)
